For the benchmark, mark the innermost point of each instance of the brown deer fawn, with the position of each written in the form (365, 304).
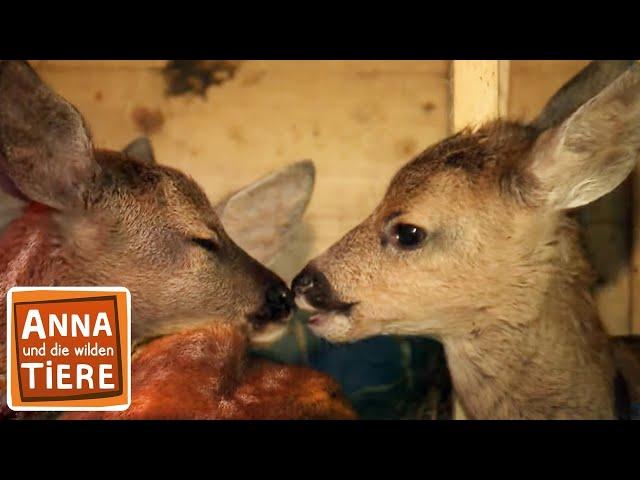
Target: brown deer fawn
(97, 217)
(472, 245)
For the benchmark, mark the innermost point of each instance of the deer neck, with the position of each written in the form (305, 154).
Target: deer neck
(551, 360)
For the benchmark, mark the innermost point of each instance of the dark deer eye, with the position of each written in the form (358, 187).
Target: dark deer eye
(206, 243)
(408, 236)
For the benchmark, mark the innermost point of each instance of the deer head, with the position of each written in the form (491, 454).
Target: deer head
(473, 230)
(119, 218)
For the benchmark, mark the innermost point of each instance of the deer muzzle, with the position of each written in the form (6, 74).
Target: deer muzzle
(314, 292)
(277, 306)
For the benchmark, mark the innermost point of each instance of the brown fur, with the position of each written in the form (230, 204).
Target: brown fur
(138, 224)
(115, 218)
(204, 374)
(501, 278)
(504, 291)
(502, 281)
(487, 156)
(137, 227)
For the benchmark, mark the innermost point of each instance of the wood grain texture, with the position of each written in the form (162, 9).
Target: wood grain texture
(480, 91)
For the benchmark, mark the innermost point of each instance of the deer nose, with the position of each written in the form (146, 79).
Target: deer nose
(312, 287)
(279, 300)
(304, 281)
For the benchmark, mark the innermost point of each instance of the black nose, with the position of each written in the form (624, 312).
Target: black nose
(317, 291)
(304, 281)
(315, 287)
(279, 300)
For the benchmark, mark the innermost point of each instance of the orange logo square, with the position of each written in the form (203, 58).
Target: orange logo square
(68, 348)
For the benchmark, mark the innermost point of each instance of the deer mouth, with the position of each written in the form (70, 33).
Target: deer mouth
(321, 312)
(314, 293)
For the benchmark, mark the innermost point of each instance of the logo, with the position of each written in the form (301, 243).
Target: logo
(68, 348)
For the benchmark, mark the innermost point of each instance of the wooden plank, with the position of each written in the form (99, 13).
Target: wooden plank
(480, 92)
(98, 64)
(363, 68)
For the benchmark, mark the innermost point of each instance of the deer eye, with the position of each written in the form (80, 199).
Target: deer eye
(407, 236)
(206, 243)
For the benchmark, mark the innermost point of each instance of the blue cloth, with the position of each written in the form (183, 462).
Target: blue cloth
(383, 377)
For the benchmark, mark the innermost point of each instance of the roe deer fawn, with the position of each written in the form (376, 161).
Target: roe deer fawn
(97, 217)
(472, 245)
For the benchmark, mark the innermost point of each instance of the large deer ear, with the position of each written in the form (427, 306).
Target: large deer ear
(141, 149)
(594, 149)
(261, 217)
(46, 154)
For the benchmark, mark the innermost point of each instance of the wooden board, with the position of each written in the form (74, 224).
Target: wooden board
(480, 91)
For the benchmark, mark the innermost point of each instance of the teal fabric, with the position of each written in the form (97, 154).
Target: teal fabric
(384, 377)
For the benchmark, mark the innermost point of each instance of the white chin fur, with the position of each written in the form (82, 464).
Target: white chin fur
(334, 327)
(301, 302)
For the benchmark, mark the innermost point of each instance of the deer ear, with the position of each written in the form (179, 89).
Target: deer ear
(141, 150)
(591, 152)
(262, 217)
(46, 154)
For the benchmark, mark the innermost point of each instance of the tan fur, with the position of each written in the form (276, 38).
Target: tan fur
(501, 279)
(144, 229)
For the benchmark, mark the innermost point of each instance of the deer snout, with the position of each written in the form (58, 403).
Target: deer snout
(314, 292)
(277, 305)
(305, 281)
(279, 300)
